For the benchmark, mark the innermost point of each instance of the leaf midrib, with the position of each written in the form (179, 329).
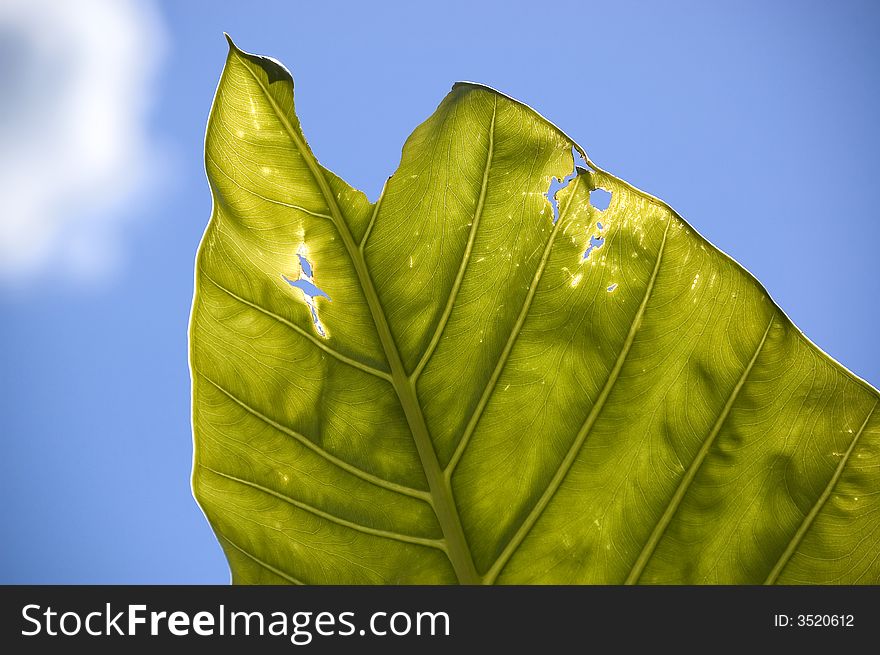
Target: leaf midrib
(440, 490)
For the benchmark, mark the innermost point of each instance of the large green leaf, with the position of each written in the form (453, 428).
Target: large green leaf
(440, 387)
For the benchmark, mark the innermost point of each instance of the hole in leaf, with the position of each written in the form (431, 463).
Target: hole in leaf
(308, 287)
(306, 265)
(595, 244)
(556, 184)
(600, 199)
(310, 291)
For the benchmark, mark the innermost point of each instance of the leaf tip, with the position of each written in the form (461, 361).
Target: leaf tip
(467, 85)
(232, 46)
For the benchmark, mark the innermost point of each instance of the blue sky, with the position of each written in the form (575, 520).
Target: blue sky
(755, 120)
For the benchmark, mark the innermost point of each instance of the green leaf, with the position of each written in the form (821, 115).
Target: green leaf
(440, 387)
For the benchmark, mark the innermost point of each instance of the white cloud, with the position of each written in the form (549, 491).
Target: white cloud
(75, 152)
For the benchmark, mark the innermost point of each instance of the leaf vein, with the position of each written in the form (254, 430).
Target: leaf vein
(465, 259)
(266, 198)
(363, 243)
(584, 432)
(308, 443)
(366, 368)
(810, 517)
(387, 534)
(508, 347)
(258, 561)
(674, 503)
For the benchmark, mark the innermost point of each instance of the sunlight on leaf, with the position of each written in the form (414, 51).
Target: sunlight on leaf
(511, 384)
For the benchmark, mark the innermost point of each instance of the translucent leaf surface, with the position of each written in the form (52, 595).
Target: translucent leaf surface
(454, 385)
